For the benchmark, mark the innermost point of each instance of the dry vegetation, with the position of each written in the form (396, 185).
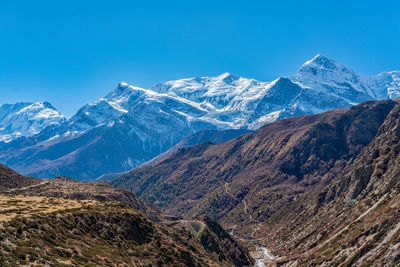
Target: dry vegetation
(21, 206)
(41, 230)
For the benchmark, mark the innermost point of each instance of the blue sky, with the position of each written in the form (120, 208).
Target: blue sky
(73, 52)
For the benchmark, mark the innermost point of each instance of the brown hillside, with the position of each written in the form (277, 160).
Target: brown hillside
(63, 222)
(316, 190)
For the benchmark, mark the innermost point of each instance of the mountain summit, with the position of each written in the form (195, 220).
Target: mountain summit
(321, 61)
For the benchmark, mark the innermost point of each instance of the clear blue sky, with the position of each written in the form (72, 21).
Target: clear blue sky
(73, 52)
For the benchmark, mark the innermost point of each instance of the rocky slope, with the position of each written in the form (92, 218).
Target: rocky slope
(319, 189)
(64, 222)
(132, 125)
(26, 119)
(354, 220)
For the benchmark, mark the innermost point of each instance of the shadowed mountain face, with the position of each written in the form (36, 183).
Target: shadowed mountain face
(203, 136)
(63, 221)
(213, 136)
(294, 185)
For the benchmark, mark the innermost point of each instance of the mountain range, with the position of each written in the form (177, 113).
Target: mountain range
(132, 125)
(316, 190)
(312, 190)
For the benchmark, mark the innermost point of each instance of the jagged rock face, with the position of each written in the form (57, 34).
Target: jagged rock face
(377, 169)
(132, 125)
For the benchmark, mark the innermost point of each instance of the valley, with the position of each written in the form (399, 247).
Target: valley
(211, 171)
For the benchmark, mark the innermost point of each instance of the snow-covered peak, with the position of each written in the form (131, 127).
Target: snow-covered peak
(123, 84)
(118, 98)
(321, 61)
(328, 76)
(102, 111)
(26, 119)
(230, 101)
(324, 68)
(198, 84)
(215, 91)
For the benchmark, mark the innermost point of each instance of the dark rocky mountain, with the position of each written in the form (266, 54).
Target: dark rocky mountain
(66, 222)
(319, 189)
(301, 153)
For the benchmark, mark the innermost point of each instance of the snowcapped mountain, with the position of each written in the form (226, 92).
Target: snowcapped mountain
(26, 119)
(229, 101)
(385, 85)
(131, 125)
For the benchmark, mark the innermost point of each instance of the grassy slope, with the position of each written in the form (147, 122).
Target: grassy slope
(63, 232)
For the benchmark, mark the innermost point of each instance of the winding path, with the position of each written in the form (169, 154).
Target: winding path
(27, 187)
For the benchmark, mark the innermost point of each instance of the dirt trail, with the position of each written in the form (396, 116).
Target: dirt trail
(27, 187)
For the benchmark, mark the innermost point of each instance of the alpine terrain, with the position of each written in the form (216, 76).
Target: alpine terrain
(132, 125)
(313, 190)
